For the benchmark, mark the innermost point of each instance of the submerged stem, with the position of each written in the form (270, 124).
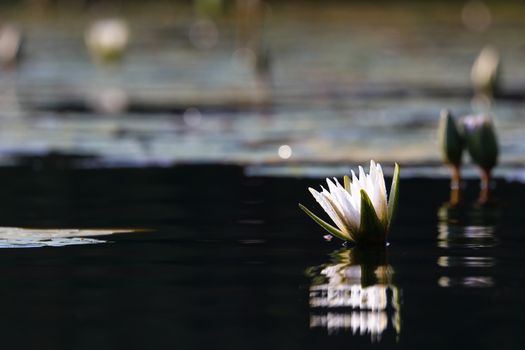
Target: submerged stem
(455, 196)
(455, 177)
(484, 193)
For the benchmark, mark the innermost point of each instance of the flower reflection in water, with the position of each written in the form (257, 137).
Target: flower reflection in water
(355, 292)
(467, 234)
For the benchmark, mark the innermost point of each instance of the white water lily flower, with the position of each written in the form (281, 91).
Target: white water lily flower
(359, 209)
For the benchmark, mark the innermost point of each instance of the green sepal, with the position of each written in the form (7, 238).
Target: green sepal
(394, 195)
(371, 229)
(347, 183)
(329, 228)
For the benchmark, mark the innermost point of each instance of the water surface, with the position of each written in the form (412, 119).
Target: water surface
(233, 263)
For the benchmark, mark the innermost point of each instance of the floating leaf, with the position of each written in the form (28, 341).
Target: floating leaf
(16, 237)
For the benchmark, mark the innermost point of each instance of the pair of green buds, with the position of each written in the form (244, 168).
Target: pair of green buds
(477, 135)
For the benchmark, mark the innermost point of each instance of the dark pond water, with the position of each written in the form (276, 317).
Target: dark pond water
(231, 262)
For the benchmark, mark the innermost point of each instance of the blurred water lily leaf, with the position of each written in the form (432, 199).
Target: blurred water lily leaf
(17, 237)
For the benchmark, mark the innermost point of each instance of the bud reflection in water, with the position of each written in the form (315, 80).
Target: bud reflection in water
(355, 292)
(467, 234)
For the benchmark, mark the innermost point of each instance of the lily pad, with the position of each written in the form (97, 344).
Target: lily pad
(17, 237)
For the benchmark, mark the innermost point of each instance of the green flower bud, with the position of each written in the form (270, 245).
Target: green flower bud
(482, 142)
(450, 138)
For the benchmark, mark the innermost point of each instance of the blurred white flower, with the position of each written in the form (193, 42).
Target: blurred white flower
(486, 71)
(359, 209)
(107, 39)
(10, 43)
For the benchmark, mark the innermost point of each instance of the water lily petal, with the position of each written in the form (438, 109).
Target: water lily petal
(332, 198)
(354, 217)
(337, 183)
(351, 215)
(329, 228)
(362, 178)
(338, 196)
(379, 200)
(332, 188)
(339, 211)
(328, 208)
(394, 193)
(355, 180)
(355, 192)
